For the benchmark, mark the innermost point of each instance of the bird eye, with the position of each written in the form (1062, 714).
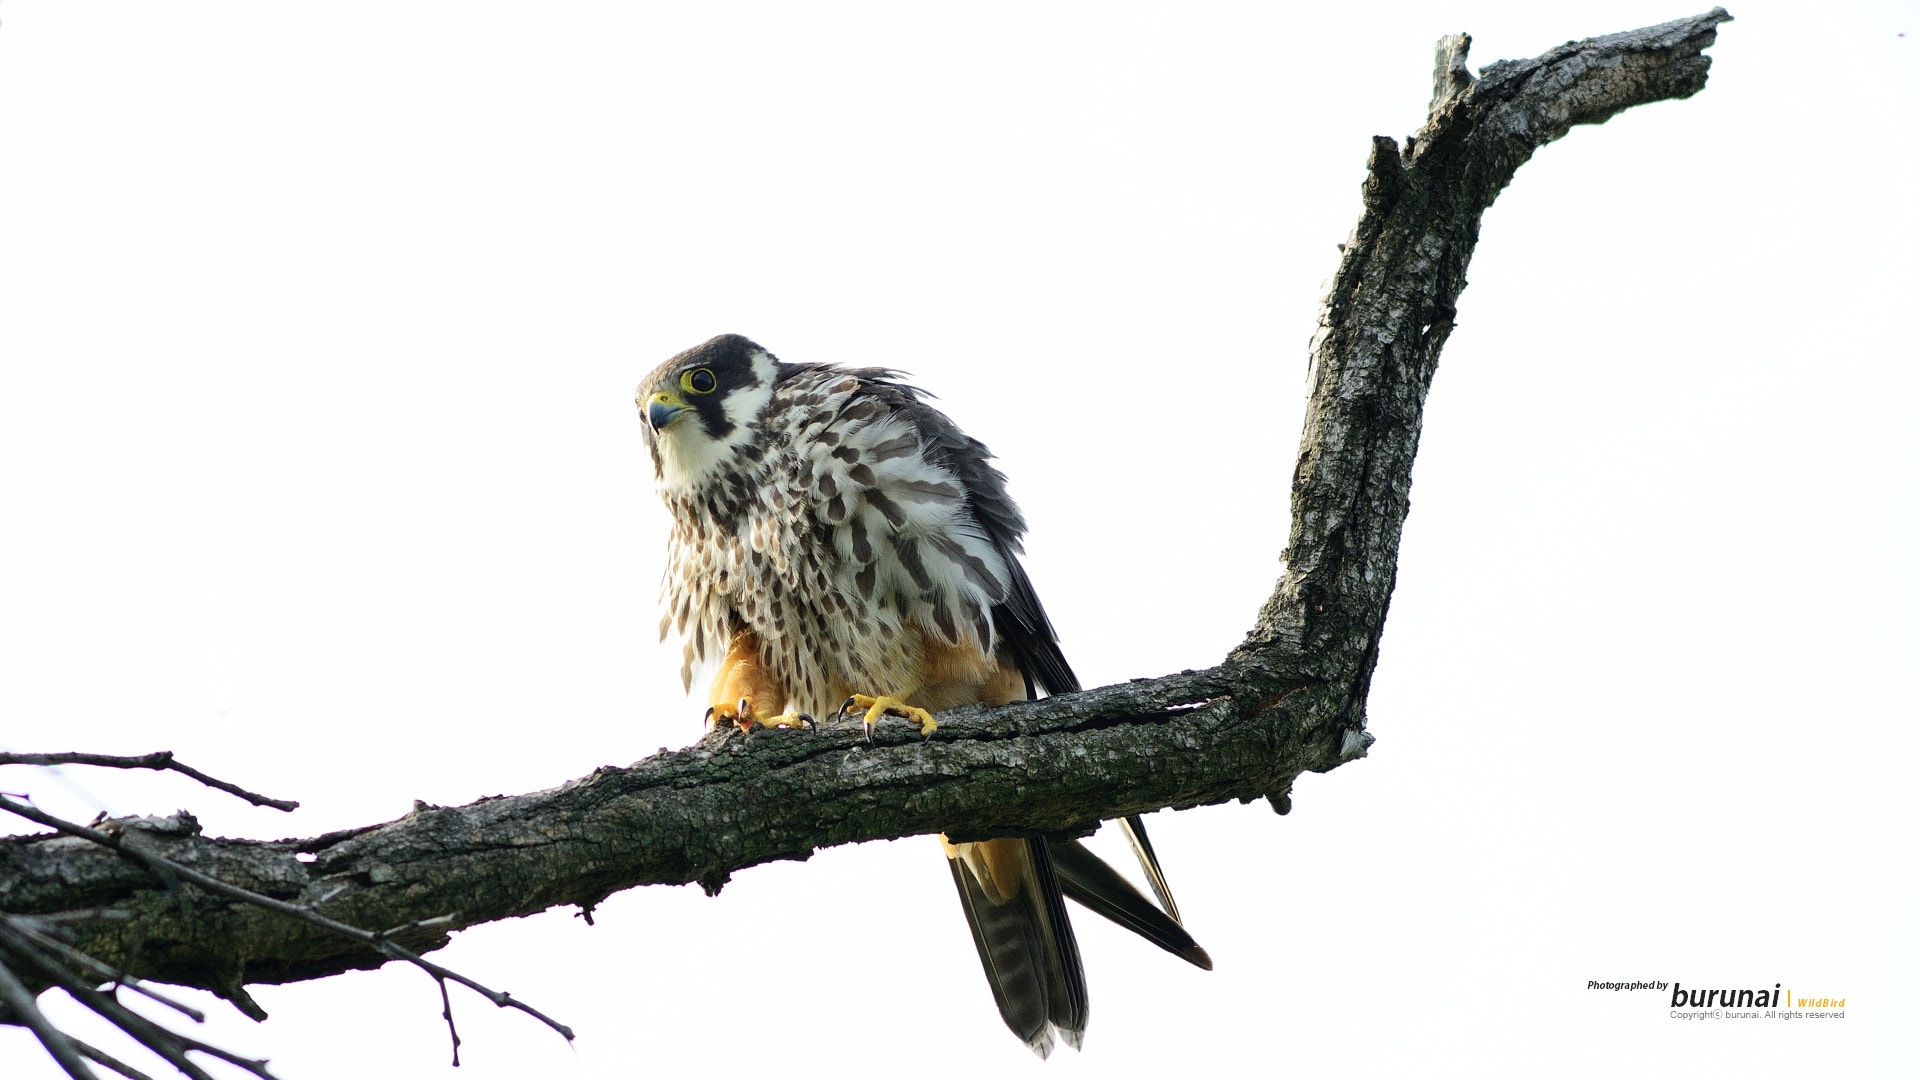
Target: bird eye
(698, 381)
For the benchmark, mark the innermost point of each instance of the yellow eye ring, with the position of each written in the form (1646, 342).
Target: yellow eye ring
(698, 381)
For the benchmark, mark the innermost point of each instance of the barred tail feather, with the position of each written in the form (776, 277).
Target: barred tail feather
(1012, 899)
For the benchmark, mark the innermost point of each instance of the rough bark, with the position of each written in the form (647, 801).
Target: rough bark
(1291, 698)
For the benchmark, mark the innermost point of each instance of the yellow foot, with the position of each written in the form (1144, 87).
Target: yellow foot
(741, 715)
(878, 707)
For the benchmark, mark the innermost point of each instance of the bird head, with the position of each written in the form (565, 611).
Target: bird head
(698, 408)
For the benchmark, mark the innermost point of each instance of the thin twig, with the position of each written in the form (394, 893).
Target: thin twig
(446, 1011)
(160, 760)
(438, 922)
(169, 1044)
(163, 866)
(86, 915)
(24, 924)
(101, 1057)
(15, 995)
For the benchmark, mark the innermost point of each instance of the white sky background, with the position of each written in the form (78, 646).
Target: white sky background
(318, 464)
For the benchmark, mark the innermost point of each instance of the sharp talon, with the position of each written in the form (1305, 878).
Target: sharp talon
(849, 705)
(868, 724)
(708, 719)
(804, 718)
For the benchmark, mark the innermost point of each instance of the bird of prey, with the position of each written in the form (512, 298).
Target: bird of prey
(839, 546)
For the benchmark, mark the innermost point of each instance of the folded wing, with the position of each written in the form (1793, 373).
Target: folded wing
(1086, 879)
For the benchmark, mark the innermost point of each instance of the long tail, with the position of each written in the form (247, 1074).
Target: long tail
(1019, 921)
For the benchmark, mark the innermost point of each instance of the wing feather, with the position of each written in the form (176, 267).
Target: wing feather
(900, 518)
(1088, 880)
(1019, 624)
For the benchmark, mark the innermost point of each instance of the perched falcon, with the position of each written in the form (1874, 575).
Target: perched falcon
(839, 545)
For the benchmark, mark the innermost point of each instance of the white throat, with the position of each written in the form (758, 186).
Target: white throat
(689, 457)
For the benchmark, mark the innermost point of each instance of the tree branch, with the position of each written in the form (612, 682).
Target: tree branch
(21, 1008)
(1291, 698)
(161, 760)
(382, 941)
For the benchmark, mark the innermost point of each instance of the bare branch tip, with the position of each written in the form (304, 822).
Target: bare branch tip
(160, 761)
(237, 996)
(100, 1057)
(1450, 75)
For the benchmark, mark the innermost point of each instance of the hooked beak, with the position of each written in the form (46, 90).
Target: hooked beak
(661, 410)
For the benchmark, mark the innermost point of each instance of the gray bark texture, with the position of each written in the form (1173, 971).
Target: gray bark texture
(1291, 698)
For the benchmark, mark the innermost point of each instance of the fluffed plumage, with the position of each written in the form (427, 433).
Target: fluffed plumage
(835, 535)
